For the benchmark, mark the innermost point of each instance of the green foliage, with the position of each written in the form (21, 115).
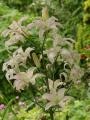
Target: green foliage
(19, 4)
(83, 36)
(83, 33)
(7, 15)
(69, 13)
(86, 16)
(35, 113)
(79, 110)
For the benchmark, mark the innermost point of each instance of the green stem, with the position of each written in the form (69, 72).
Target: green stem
(35, 100)
(43, 49)
(47, 83)
(51, 114)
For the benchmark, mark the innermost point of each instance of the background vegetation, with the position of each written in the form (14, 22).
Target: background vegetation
(74, 19)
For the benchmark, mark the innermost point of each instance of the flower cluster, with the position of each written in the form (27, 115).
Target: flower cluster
(58, 64)
(12, 69)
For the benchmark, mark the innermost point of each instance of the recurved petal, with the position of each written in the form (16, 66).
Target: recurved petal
(48, 105)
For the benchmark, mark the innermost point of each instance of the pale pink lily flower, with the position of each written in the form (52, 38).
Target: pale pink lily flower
(55, 97)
